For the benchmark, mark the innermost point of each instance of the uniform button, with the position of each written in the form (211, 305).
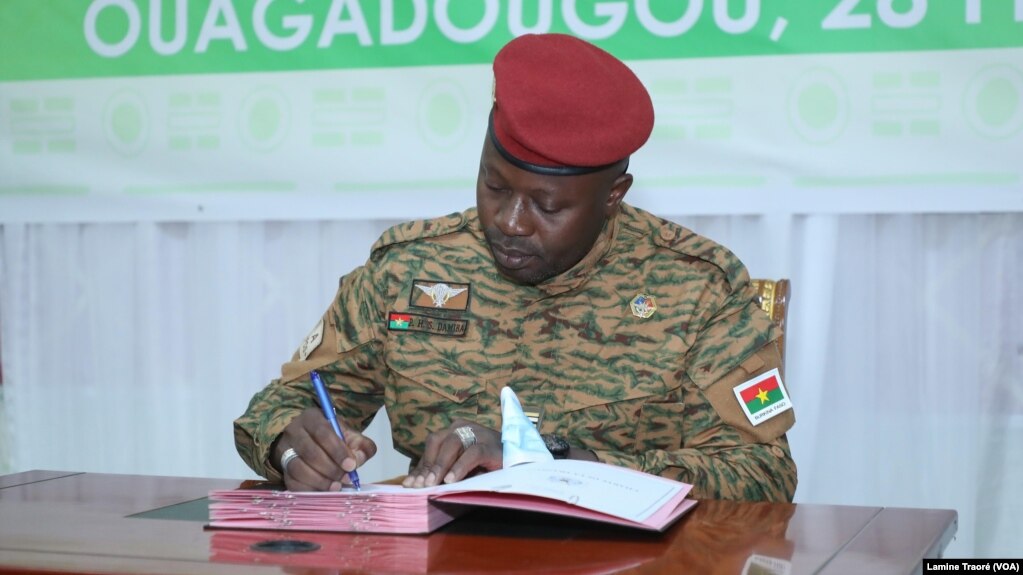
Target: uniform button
(777, 451)
(667, 234)
(455, 219)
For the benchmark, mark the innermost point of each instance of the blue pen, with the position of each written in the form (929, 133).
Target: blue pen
(328, 410)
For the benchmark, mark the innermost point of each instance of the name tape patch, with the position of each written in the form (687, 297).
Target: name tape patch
(404, 321)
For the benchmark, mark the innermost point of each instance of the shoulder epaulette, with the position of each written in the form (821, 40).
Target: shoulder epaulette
(685, 241)
(419, 229)
(682, 240)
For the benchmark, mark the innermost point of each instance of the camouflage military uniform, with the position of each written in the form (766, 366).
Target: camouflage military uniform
(653, 394)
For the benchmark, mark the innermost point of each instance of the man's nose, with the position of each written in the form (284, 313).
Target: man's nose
(513, 218)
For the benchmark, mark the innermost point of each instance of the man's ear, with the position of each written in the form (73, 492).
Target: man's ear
(619, 188)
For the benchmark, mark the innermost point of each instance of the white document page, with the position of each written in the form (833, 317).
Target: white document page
(600, 487)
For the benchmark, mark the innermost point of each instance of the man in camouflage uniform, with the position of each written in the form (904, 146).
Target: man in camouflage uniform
(632, 335)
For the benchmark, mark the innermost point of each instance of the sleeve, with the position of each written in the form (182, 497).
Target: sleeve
(345, 347)
(721, 453)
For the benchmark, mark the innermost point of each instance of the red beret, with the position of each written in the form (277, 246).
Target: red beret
(564, 106)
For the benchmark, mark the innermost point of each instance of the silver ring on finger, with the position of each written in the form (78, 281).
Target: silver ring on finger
(286, 458)
(466, 435)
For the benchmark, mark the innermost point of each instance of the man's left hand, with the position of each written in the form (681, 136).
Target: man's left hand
(451, 454)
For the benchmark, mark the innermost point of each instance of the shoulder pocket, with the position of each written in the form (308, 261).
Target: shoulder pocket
(721, 396)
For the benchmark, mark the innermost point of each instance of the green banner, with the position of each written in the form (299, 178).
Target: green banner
(49, 39)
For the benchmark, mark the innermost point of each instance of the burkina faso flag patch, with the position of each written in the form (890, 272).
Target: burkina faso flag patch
(763, 397)
(398, 321)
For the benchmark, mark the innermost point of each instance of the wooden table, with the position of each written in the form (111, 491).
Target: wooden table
(89, 523)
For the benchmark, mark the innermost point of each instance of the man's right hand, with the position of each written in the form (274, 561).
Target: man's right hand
(323, 460)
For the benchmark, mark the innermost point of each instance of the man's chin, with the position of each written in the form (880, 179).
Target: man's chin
(525, 276)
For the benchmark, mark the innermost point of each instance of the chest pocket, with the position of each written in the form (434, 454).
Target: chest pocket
(625, 407)
(433, 380)
(620, 383)
(442, 365)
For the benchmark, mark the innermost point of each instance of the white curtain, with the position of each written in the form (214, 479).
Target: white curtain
(130, 348)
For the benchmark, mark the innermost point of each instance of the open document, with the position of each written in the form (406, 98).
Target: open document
(582, 489)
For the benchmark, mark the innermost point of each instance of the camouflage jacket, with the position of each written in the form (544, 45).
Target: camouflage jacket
(429, 329)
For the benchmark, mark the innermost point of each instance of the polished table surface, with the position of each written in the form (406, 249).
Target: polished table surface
(52, 521)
